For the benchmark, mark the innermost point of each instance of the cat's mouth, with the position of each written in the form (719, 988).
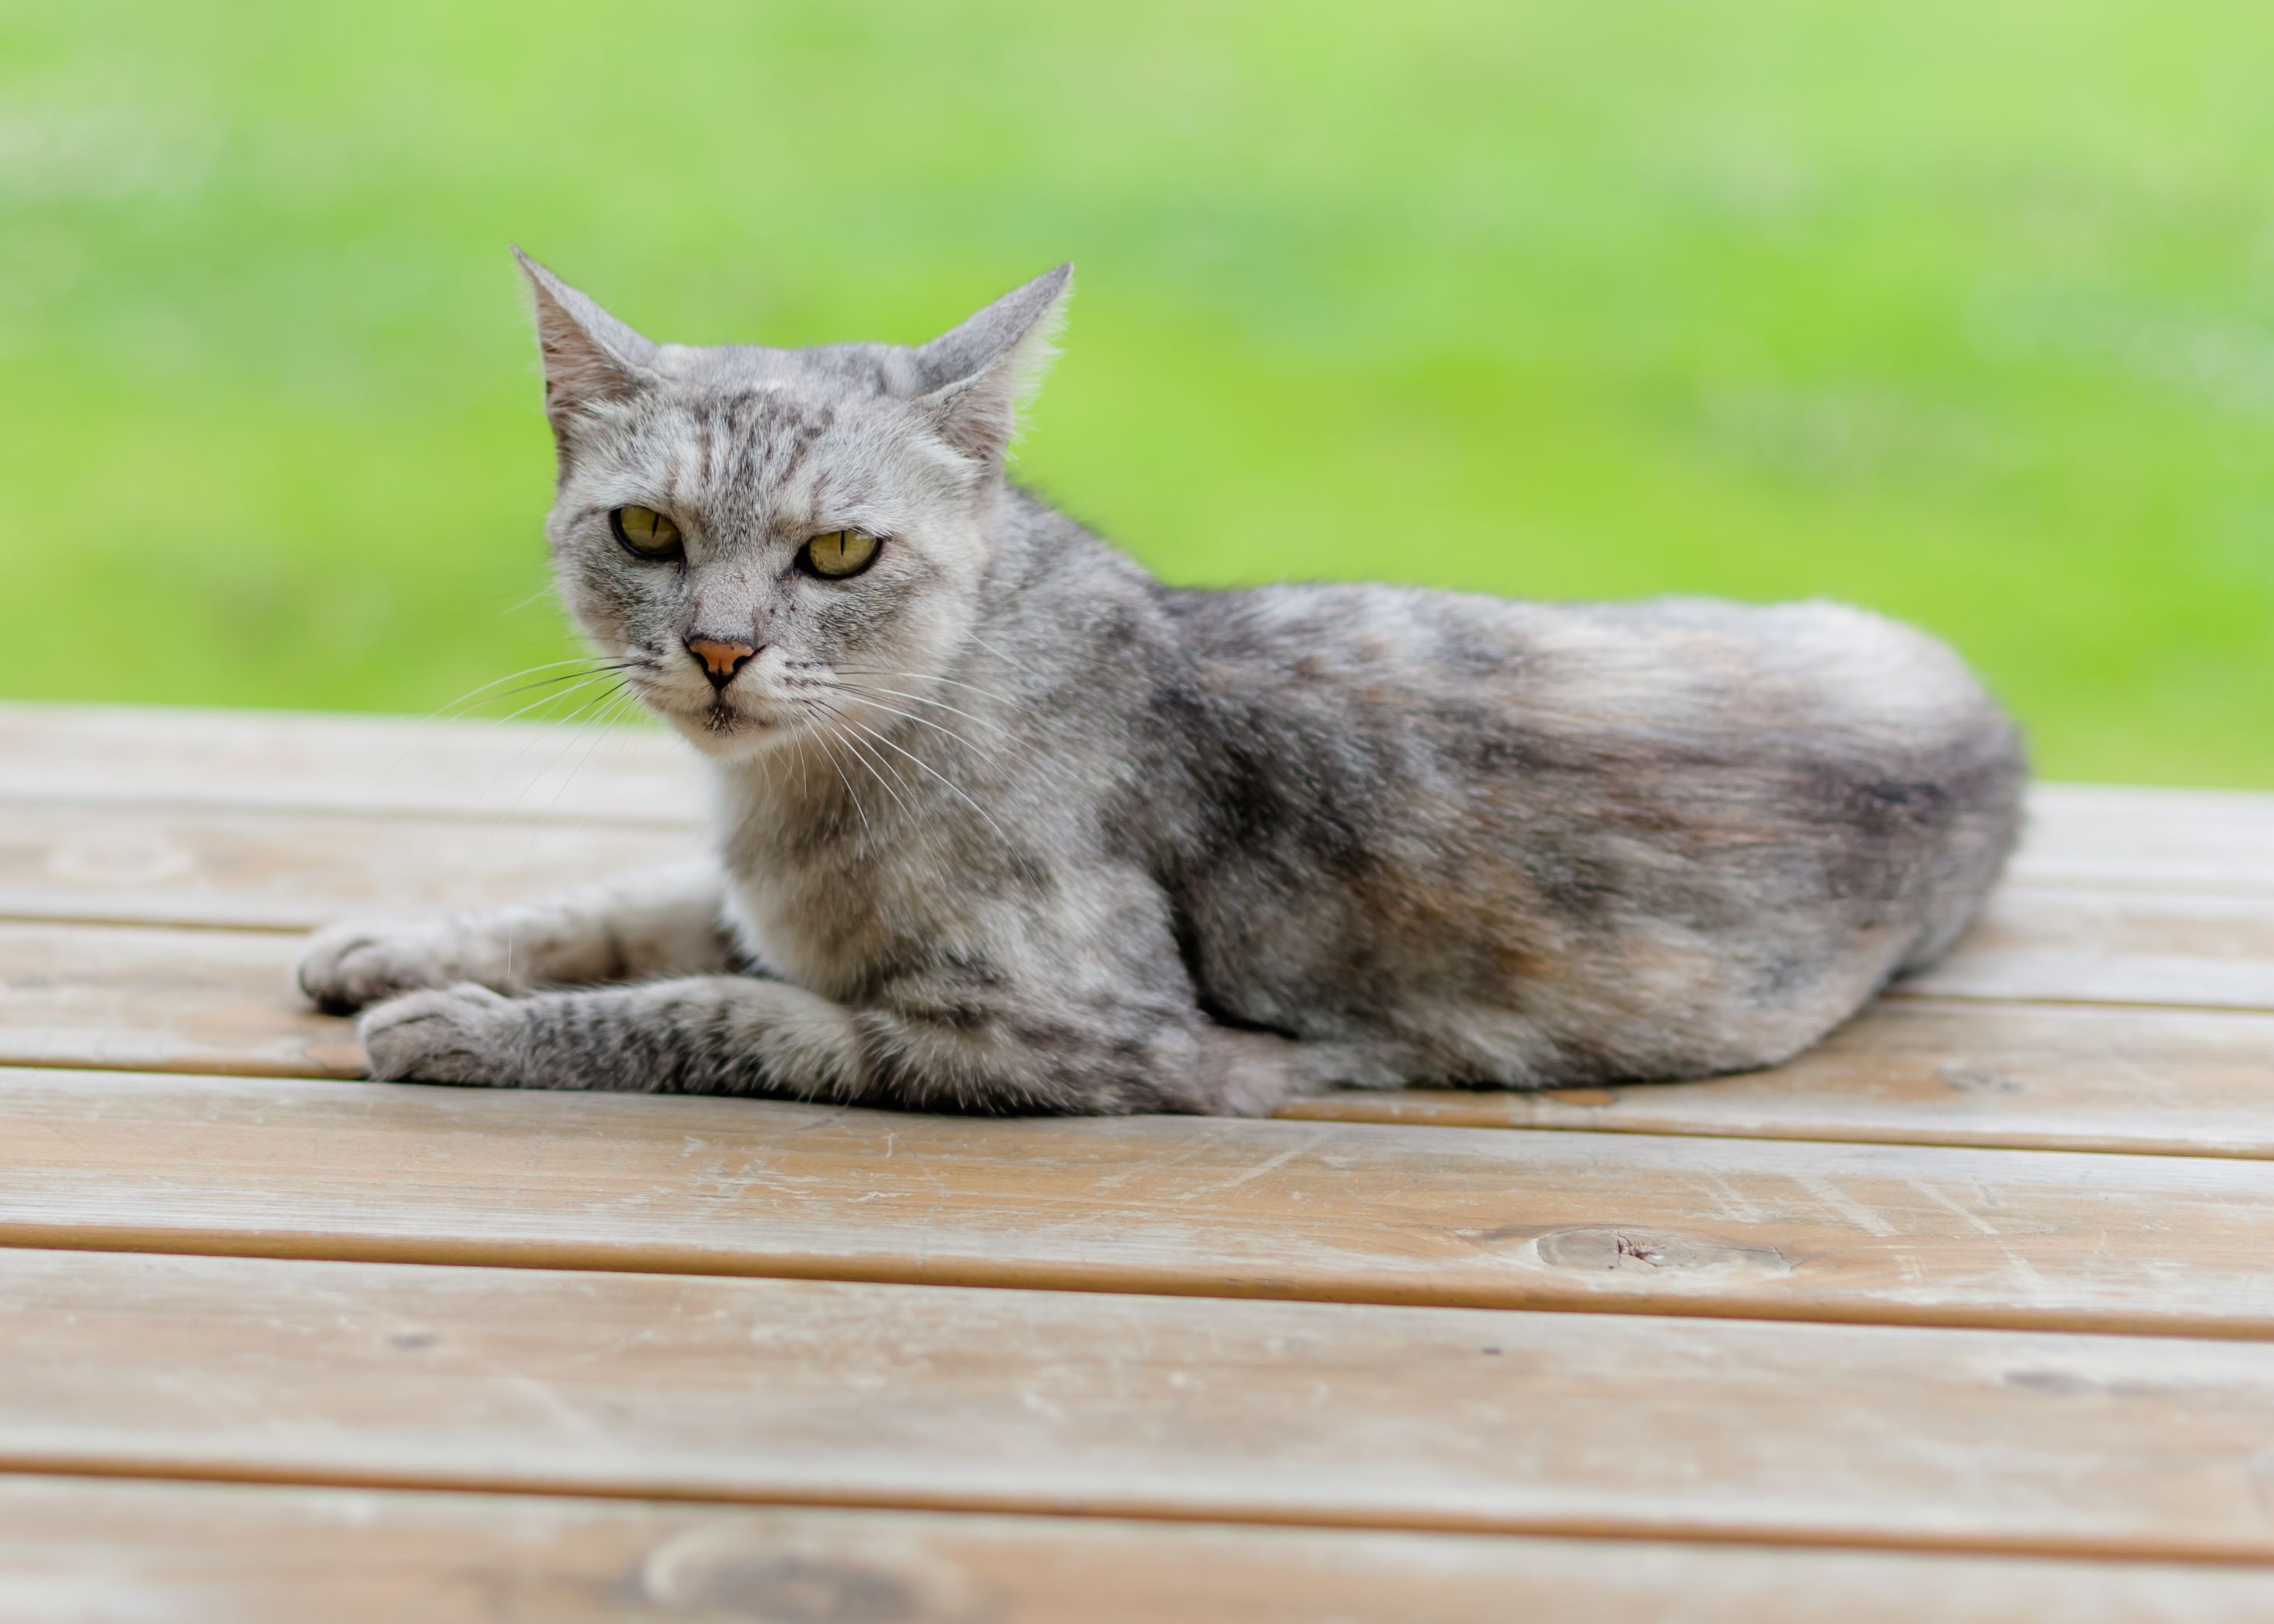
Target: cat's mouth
(730, 721)
(722, 725)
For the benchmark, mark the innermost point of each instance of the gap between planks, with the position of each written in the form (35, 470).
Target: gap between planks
(1600, 1535)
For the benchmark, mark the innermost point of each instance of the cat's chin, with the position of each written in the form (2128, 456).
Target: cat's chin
(727, 731)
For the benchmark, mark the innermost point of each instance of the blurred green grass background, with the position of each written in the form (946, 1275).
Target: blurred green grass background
(1961, 310)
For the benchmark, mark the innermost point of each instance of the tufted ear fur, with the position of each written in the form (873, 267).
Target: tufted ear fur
(590, 356)
(977, 376)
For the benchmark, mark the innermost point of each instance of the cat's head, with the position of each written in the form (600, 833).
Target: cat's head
(756, 534)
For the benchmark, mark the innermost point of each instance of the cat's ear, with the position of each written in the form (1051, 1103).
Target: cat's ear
(976, 377)
(590, 356)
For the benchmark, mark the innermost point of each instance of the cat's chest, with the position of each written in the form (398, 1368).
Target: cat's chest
(823, 931)
(782, 921)
(823, 914)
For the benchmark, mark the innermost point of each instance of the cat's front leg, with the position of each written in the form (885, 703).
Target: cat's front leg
(739, 1035)
(699, 1034)
(666, 922)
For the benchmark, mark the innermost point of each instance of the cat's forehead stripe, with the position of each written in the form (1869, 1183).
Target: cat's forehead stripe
(768, 435)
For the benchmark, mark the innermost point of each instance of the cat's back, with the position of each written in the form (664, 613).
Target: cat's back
(1613, 676)
(1670, 761)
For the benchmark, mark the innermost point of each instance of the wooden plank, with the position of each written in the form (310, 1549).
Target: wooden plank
(190, 1001)
(1325, 1211)
(1926, 1071)
(2179, 948)
(824, 1393)
(84, 1551)
(365, 764)
(2172, 839)
(1911, 1070)
(282, 870)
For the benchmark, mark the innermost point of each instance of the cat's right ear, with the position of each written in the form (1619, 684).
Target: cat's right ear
(590, 356)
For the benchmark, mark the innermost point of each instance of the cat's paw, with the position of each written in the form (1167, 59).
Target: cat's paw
(348, 968)
(463, 1034)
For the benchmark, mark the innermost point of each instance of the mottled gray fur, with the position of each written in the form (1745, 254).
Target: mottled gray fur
(1003, 823)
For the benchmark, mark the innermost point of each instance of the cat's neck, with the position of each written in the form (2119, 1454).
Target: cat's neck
(791, 795)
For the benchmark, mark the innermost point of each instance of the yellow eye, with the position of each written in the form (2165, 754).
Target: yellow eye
(644, 531)
(840, 553)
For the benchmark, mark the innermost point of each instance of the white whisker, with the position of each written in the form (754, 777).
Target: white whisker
(611, 708)
(481, 694)
(953, 788)
(990, 648)
(822, 736)
(1014, 754)
(926, 676)
(867, 696)
(555, 697)
(938, 704)
(580, 723)
(862, 753)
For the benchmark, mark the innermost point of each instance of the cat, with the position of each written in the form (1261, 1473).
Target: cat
(1002, 823)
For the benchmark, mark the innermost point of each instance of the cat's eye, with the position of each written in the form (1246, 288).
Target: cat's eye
(644, 532)
(840, 553)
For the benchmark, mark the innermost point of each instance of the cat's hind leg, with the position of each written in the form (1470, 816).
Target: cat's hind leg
(664, 921)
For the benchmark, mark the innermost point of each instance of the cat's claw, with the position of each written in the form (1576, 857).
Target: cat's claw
(463, 1034)
(351, 967)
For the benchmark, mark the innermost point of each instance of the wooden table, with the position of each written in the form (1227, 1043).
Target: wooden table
(1965, 1316)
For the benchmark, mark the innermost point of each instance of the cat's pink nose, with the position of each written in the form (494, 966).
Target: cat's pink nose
(720, 660)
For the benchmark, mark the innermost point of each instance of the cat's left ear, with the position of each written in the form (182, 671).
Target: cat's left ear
(977, 376)
(590, 356)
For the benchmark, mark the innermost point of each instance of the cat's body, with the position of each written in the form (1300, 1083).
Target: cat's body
(1018, 828)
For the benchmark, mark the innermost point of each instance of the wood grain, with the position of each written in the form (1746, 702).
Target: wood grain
(1911, 1070)
(281, 871)
(117, 754)
(821, 1393)
(78, 1551)
(2070, 944)
(1576, 1221)
(179, 1000)
(2100, 834)
(1928, 1072)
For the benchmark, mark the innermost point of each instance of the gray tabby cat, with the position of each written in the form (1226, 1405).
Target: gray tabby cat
(1003, 823)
